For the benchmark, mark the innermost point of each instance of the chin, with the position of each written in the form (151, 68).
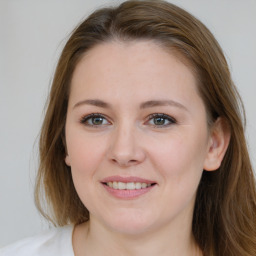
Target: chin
(130, 224)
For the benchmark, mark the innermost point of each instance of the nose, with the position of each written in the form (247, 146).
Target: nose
(125, 147)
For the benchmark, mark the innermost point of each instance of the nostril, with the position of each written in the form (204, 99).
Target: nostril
(123, 162)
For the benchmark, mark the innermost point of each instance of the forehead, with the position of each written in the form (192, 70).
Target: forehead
(141, 68)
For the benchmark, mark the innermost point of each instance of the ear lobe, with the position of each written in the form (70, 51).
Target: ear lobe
(67, 160)
(218, 144)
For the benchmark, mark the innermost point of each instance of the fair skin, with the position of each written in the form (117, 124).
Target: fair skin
(135, 116)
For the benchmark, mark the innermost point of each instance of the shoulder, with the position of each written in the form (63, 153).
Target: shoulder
(57, 241)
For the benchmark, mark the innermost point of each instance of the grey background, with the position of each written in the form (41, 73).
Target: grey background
(33, 33)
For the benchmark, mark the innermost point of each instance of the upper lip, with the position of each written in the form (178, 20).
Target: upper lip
(127, 179)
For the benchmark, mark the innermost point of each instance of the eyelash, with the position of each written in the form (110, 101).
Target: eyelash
(165, 117)
(85, 120)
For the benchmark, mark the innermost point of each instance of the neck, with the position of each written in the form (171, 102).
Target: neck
(99, 240)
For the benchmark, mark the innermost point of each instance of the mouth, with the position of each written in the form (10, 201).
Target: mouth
(127, 187)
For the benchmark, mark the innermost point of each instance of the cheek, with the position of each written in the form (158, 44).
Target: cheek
(179, 163)
(85, 153)
(180, 155)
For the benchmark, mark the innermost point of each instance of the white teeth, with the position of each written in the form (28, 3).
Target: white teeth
(144, 185)
(128, 185)
(121, 185)
(138, 185)
(115, 185)
(110, 184)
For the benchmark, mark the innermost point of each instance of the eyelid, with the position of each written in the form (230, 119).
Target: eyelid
(85, 118)
(171, 119)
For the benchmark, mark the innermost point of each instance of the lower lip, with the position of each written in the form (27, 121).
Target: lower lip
(127, 193)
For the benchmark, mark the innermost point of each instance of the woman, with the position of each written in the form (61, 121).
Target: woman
(142, 149)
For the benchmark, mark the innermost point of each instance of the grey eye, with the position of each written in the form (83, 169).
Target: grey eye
(94, 120)
(97, 120)
(161, 120)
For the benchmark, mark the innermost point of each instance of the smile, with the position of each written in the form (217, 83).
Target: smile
(127, 188)
(128, 185)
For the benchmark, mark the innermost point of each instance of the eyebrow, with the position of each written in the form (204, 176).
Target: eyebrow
(97, 103)
(146, 104)
(157, 103)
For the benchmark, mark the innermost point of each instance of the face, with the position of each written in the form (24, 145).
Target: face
(137, 137)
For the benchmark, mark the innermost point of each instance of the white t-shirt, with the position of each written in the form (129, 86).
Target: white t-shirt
(57, 241)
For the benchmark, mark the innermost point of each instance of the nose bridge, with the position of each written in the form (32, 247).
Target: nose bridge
(125, 146)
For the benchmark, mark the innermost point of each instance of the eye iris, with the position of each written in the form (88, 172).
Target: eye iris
(159, 121)
(97, 120)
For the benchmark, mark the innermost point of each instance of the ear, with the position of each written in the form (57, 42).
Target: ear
(218, 144)
(67, 160)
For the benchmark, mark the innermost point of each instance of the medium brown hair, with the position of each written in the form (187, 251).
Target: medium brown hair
(224, 221)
